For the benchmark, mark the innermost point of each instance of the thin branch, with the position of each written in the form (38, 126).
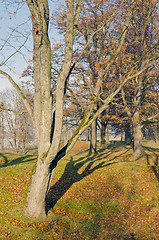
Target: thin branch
(5, 42)
(11, 110)
(151, 119)
(95, 32)
(15, 51)
(19, 90)
(91, 37)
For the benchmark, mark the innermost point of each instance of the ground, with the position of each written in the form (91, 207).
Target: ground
(103, 196)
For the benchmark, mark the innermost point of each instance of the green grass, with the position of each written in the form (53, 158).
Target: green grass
(103, 196)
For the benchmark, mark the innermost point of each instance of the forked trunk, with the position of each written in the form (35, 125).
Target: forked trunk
(48, 125)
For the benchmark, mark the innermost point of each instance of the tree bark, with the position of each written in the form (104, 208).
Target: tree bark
(103, 130)
(37, 191)
(128, 134)
(137, 134)
(107, 133)
(93, 139)
(42, 106)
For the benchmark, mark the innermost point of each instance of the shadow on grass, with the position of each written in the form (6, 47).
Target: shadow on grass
(22, 159)
(153, 163)
(114, 145)
(75, 171)
(71, 174)
(151, 149)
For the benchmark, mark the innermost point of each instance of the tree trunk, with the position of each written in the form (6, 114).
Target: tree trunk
(128, 134)
(42, 106)
(93, 140)
(37, 191)
(107, 133)
(65, 134)
(103, 128)
(48, 125)
(137, 134)
(155, 133)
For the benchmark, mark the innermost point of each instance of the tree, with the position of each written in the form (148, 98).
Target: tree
(94, 56)
(48, 119)
(139, 96)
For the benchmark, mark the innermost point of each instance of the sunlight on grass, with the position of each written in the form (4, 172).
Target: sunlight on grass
(103, 196)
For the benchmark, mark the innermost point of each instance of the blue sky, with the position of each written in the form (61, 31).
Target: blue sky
(17, 23)
(11, 23)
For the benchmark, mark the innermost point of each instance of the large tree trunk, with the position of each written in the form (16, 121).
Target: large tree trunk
(42, 106)
(37, 191)
(128, 134)
(137, 133)
(48, 125)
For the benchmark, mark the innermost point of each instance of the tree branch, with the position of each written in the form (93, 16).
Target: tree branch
(23, 97)
(11, 110)
(15, 51)
(77, 12)
(151, 119)
(91, 37)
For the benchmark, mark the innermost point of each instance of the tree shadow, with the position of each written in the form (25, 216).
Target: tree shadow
(124, 237)
(151, 149)
(71, 175)
(16, 161)
(155, 164)
(4, 158)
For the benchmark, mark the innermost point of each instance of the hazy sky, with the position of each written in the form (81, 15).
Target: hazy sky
(15, 23)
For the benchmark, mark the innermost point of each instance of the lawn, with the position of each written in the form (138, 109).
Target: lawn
(103, 196)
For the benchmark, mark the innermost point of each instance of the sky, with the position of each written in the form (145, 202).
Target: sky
(16, 22)
(9, 26)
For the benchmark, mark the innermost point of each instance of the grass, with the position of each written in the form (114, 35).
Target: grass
(103, 196)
